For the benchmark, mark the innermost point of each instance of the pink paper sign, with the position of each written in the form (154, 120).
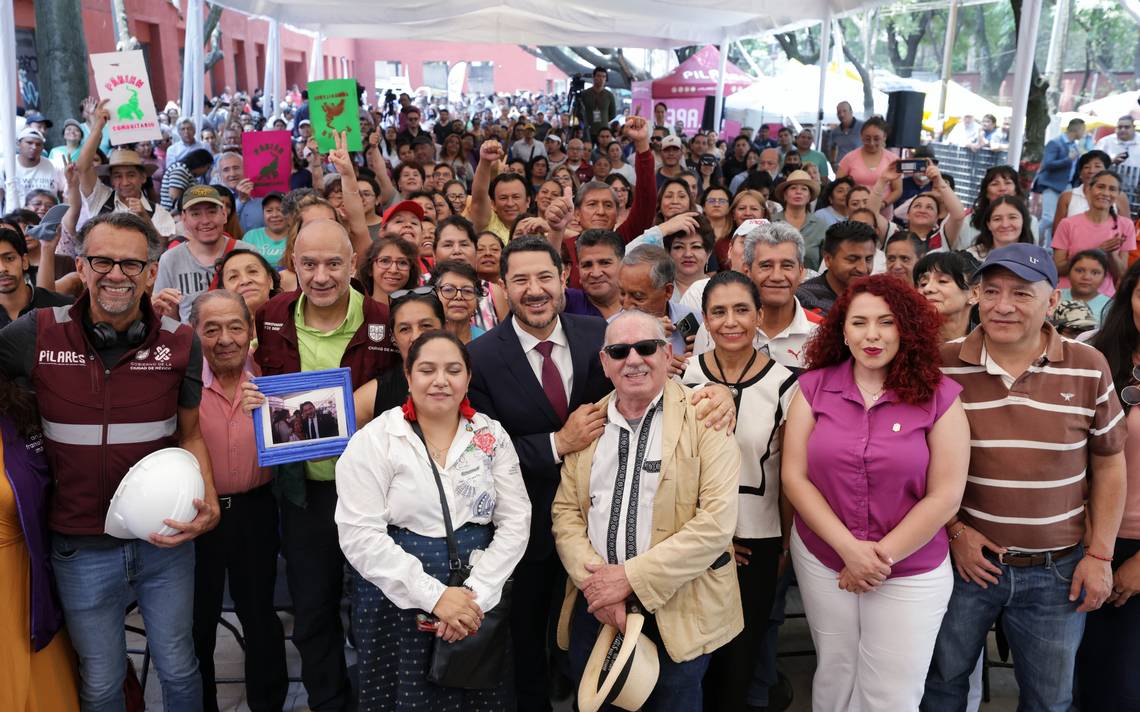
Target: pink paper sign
(267, 161)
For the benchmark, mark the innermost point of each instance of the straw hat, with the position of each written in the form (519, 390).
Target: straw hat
(125, 157)
(797, 178)
(622, 669)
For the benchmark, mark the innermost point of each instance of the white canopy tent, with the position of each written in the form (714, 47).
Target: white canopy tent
(792, 94)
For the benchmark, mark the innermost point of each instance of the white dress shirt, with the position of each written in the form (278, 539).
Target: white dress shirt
(560, 354)
(623, 483)
(384, 478)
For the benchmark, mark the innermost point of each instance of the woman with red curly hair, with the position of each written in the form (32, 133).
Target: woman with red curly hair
(874, 465)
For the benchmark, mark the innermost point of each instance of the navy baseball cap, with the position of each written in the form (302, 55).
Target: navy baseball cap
(1030, 262)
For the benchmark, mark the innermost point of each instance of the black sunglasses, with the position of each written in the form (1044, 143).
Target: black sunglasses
(419, 291)
(644, 349)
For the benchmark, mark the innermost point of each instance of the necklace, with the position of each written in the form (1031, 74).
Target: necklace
(734, 388)
(438, 454)
(875, 395)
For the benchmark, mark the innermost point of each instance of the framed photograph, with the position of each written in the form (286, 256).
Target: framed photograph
(307, 416)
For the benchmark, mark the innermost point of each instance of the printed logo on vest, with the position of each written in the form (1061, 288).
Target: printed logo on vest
(376, 332)
(162, 353)
(273, 325)
(142, 354)
(62, 358)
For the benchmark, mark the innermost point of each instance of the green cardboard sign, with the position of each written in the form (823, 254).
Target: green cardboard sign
(334, 106)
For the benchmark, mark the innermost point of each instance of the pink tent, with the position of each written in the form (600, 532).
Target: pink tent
(685, 89)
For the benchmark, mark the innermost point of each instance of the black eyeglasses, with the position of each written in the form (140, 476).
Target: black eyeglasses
(418, 291)
(104, 265)
(1130, 394)
(644, 349)
(448, 291)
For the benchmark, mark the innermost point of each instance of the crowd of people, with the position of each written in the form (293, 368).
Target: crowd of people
(616, 389)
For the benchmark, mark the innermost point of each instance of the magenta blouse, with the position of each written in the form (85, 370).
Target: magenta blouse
(870, 464)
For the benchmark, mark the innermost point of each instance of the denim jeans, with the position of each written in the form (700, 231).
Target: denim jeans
(95, 586)
(1041, 623)
(1049, 200)
(678, 686)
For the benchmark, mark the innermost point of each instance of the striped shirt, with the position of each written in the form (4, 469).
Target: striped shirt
(1031, 438)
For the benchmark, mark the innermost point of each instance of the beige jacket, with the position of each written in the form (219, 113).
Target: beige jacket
(694, 517)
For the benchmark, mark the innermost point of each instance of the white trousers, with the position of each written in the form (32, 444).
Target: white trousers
(872, 649)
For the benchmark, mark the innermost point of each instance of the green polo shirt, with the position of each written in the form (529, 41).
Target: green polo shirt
(322, 350)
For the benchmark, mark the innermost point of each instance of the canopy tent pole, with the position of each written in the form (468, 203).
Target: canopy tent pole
(1022, 69)
(948, 57)
(756, 71)
(271, 86)
(824, 60)
(8, 89)
(718, 111)
(317, 59)
(193, 67)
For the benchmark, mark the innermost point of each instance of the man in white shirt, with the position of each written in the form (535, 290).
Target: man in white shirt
(33, 170)
(644, 517)
(1122, 147)
(774, 260)
(965, 133)
(526, 148)
(128, 174)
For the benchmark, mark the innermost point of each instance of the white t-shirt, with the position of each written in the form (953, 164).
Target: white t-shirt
(762, 403)
(43, 176)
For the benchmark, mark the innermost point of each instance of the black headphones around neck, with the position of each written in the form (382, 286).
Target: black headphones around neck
(104, 336)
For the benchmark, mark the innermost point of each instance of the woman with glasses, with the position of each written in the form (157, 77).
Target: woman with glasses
(456, 194)
(455, 241)
(457, 286)
(762, 392)
(394, 480)
(1106, 677)
(623, 189)
(565, 178)
(874, 466)
(389, 265)
(715, 207)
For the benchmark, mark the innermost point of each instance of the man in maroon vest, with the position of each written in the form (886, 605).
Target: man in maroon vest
(326, 324)
(114, 383)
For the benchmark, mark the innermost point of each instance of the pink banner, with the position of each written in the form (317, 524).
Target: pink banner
(688, 111)
(268, 160)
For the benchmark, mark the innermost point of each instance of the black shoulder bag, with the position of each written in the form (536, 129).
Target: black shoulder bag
(478, 661)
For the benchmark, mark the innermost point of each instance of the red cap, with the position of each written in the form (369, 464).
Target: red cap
(410, 206)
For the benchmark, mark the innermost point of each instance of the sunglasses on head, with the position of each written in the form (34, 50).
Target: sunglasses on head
(644, 349)
(1131, 394)
(419, 291)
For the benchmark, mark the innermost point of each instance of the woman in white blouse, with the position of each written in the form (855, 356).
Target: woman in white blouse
(762, 390)
(392, 531)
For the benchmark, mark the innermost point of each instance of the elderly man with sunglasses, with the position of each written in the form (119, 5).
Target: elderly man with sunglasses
(644, 518)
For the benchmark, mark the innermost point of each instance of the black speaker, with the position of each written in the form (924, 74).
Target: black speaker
(904, 116)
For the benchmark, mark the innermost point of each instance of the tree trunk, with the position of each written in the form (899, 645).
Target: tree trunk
(61, 47)
(868, 88)
(1037, 110)
(903, 62)
(992, 65)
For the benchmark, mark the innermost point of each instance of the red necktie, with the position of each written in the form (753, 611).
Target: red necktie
(552, 381)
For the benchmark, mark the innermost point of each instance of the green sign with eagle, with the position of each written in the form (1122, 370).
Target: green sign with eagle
(334, 106)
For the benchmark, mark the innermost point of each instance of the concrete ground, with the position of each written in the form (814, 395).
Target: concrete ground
(796, 661)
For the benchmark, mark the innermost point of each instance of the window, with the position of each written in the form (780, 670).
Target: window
(386, 70)
(435, 75)
(481, 79)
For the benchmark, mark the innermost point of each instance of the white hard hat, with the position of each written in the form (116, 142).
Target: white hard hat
(162, 485)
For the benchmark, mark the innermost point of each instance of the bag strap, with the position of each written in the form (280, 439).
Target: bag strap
(454, 563)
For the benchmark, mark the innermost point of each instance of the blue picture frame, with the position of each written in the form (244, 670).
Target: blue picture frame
(337, 380)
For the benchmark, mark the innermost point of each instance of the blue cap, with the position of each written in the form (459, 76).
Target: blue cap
(1030, 262)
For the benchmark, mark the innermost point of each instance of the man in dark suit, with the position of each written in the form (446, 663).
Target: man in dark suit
(317, 425)
(539, 374)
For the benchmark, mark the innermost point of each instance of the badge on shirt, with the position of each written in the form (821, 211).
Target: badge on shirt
(376, 332)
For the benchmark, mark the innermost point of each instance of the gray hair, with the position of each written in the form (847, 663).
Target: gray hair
(218, 163)
(123, 221)
(648, 319)
(663, 271)
(590, 187)
(186, 120)
(772, 234)
(214, 295)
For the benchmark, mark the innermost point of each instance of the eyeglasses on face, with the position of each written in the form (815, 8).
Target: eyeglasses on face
(387, 262)
(104, 265)
(448, 291)
(644, 349)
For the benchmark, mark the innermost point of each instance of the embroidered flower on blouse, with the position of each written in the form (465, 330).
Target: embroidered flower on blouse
(485, 441)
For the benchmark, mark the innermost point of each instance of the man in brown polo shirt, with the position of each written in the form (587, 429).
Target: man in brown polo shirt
(1047, 437)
